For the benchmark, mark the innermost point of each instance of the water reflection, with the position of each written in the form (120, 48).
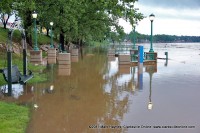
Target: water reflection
(124, 69)
(140, 76)
(78, 102)
(111, 58)
(150, 70)
(166, 63)
(21, 94)
(17, 90)
(74, 58)
(64, 70)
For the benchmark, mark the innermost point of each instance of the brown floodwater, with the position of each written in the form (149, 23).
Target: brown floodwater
(96, 95)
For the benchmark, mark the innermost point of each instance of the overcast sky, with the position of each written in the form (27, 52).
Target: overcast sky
(172, 17)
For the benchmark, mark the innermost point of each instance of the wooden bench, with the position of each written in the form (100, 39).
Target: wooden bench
(16, 76)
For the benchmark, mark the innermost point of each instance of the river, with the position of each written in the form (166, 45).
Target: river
(97, 95)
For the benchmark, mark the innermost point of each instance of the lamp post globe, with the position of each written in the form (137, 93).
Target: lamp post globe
(51, 45)
(34, 15)
(151, 18)
(51, 23)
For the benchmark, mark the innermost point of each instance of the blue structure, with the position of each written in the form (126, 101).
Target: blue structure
(140, 66)
(140, 54)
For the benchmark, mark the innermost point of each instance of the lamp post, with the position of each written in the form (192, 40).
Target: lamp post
(51, 46)
(151, 17)
(34, 15)
(134, 35)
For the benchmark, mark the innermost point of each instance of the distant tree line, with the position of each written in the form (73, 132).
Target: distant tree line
(162, 38)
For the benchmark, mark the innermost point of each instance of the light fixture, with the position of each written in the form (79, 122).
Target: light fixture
(151, 17)
(34, 14)
(51, 23)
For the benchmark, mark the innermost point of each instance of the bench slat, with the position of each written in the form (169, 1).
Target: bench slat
(16, 76)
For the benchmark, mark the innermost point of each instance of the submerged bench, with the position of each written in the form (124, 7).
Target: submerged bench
(16, 76)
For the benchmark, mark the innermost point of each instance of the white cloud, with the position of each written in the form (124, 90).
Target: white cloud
(176, 4)
(171, 21)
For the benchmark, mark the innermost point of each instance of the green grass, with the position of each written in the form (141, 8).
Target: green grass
(13, 118)
(17, 59)
(42, 39)
(3, 35)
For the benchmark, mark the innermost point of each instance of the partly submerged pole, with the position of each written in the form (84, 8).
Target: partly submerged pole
(9, 61)
(141, 54)
(24, 53)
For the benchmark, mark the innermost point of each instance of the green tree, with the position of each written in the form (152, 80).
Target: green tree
(77, 21)
(5, 11)
(24, 10)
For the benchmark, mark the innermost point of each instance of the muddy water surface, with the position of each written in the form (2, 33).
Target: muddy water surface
(98, 95)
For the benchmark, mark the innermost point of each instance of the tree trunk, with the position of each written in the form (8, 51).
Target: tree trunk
(5, 22)
(4, 25)
(68, 44)
(81, 47)
(47, 32)
(27, 25)
(81, 43)
(62, 40)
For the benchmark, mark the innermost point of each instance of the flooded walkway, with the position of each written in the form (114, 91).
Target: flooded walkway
(98, 95)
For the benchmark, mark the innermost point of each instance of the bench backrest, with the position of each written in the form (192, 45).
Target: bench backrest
(15, 74)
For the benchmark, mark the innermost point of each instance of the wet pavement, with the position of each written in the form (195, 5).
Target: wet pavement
(96, 95)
